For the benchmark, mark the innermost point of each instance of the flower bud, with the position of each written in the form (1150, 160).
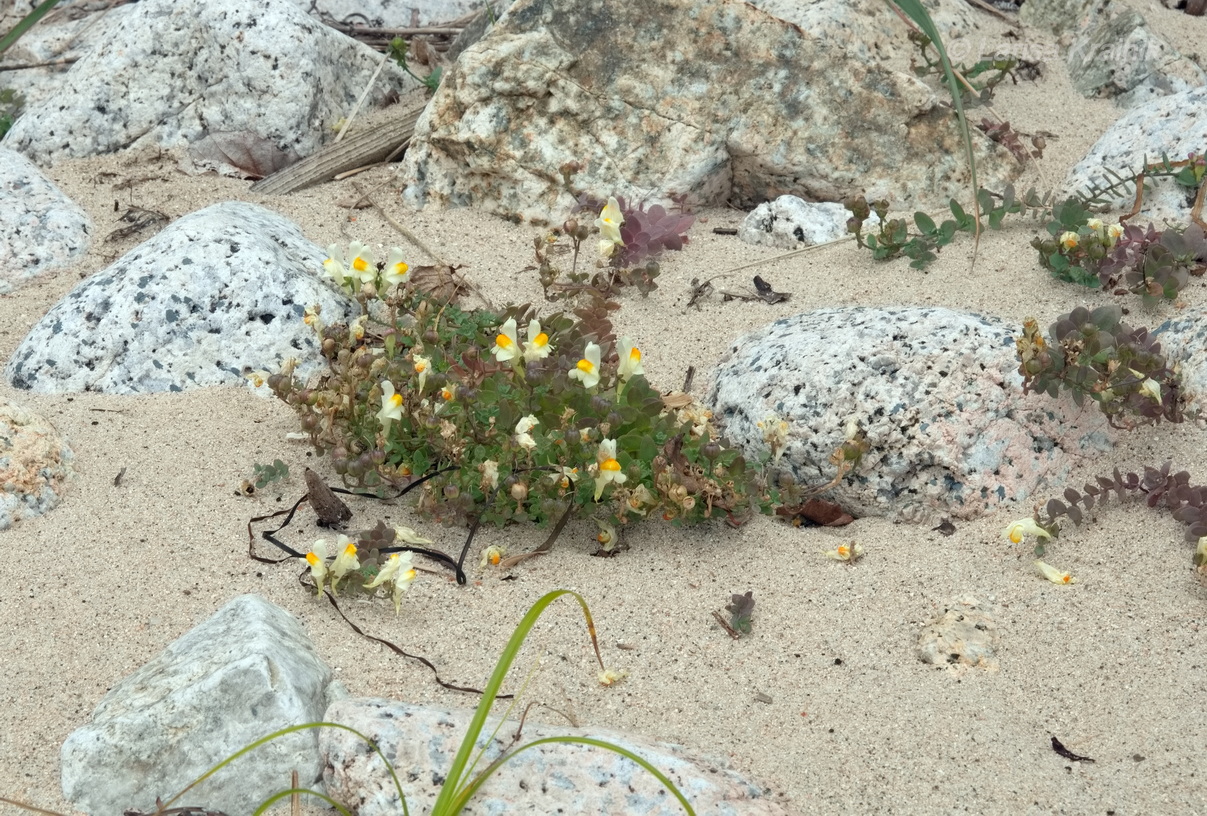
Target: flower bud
(519, 491)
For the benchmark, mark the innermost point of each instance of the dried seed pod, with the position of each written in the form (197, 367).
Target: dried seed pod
(330, 509)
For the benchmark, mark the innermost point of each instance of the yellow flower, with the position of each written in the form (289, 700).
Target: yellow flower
(345, 562)
(1054, 575)
(409, 536)
(1113, 233)
(422, 366)
(311, 317)
(607, 536)
(492, 555)
(522, 436)
(630, 360)
(587, 370)
(609, 223)
(1025, 527)
(257, 378)
(563, 476)
(1150, 388)
(361, 262)
(775, 434)
(1097, 226)
(396, 269)
(334, 266)
(398, 568)
(1069, 240)
(449, 392)
(537, 347)
(506, 347)
(607, 677)
(609, 468)
(641, 500)
(845, 552)
(317, 559)
(391, 406)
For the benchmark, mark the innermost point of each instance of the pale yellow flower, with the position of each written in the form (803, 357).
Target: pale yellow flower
(563, 476)
(422, 366)
(587, 370)
(608, 466)
(522, 428)
(399, 569)
(257, 378)
(630, 360)
(409, 536)
(391, 405)
(1054, 575)
(492, 555)
(845, 552)
(537, 347)
(396, 269)
(1069, 240)
(607, 677)
(1113, 233)
(311, 317)
(1025, 527)
(335, 266)
(1097, 226)
(607, 536)
(610, 221)
(345, 562)
(506, 347)
(490, 474)
(1151, 389)
(317, 559)
(360, 262)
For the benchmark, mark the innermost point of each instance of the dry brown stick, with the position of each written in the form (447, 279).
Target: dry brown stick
(365, 147)
(406, 233)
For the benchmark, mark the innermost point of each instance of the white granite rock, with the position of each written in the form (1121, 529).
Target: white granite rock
(936, 392)
(871, 29)
(214, 294)
(176, 71)
(421, 741)
(1112, 52)
(245, 672)
(1174, 126)
(40, 228)
(790, 223)
(1183, 341)
(712, 99)
(392, 13)
(35, 464)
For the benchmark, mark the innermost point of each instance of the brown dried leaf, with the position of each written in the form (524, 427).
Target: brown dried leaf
(443, 283)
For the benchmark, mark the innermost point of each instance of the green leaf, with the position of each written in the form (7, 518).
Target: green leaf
(925, 223)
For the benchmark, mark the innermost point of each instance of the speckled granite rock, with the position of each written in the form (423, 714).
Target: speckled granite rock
(395, 13)
(246, 671)
(40, 228)
(790, 223)
(713, 99)
(870, 29)
(964, 636)
(1112, 52)
(936, 392)
(421, 741)
(175, 71)
(1174, 126)
(1183, 340)
(217, 292)
(35, 464)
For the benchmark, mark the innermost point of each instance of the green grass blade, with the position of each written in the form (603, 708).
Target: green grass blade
(456, 777)
(472, 788)
(276, 734)
(276, 797)
(914, 10)
(27, 22)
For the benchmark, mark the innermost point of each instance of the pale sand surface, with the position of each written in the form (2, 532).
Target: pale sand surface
(855, 722)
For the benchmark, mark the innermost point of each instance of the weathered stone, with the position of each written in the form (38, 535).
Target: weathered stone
(790, 223)
(1173, 126)
(420, 742)
(1184, 343)
(871, 29)
(1112, 52)
(247, 671)
(394, 13)
(40, 228)
(935, 391)
(964, 636)
(35, 464)
(174, 72)
(216, 293)
(713, 99)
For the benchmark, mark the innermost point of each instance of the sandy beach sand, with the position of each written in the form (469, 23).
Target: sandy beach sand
(825, 702)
